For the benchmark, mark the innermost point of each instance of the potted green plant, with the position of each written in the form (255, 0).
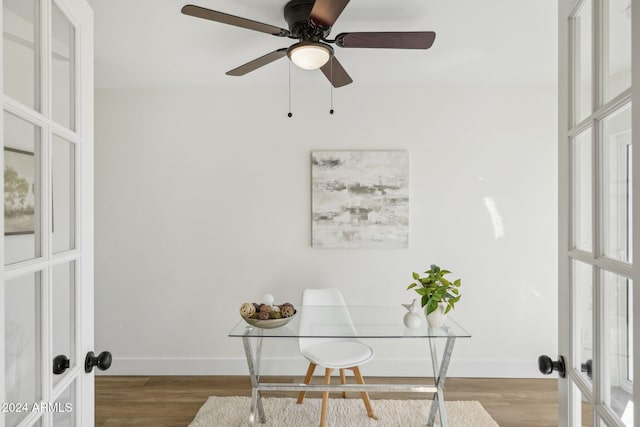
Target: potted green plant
(438, 294)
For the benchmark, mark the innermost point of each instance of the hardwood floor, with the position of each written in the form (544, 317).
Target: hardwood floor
(172, 401)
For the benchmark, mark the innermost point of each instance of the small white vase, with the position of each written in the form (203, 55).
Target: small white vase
(436, 318)
(413, 319)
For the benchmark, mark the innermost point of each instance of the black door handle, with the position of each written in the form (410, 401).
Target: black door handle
(588, 368)
(60, 364)
(101, 361)
(547, 366)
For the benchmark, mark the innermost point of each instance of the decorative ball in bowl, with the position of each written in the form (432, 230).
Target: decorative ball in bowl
(267, 316)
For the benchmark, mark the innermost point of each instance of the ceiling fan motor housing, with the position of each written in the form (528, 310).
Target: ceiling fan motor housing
(297, 13)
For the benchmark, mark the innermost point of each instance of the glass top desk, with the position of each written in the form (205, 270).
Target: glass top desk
(379, 322)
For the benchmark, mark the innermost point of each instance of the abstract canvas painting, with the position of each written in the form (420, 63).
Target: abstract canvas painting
(360, 199)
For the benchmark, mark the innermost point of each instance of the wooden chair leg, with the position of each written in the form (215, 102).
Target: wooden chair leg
(343, 380)
(307, 380)
(325, 397)
(364, 394)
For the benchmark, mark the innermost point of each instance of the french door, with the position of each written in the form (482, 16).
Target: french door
(46, 288)
(598, 211)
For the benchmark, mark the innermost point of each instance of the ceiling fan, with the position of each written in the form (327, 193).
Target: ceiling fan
(310, 23)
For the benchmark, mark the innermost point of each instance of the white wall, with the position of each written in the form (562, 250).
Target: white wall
(203, 202)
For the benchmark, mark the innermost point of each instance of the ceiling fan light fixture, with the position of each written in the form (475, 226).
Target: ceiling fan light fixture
(310, 55)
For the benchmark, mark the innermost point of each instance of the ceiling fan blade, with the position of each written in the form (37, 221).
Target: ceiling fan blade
(212, 15)
(387, 40)
(326, 12)
(336, 74)
(258, 62)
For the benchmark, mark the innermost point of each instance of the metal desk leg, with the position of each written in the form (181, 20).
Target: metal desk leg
(439, 375)
(254, 374)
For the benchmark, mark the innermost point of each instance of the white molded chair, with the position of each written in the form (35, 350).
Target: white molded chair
(331, 353)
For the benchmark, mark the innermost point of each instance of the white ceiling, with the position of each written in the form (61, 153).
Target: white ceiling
(148, 43)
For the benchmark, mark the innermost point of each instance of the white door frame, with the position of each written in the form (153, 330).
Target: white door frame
(565, 409)
(635, 137)
(2, 257)
(81, 15)
(85, 127)
(569, 397)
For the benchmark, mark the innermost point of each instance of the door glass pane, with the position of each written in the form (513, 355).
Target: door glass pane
(22, 344)
(583, 407)
(64, 194)
(21, 44)
(21, 189)
(582, 185)
(64, 415)
(587, 414)
(616, 185)
(583, 315)
(617, 47)
(63, 69)
(618, 394)
(63, 307)
(582, 62)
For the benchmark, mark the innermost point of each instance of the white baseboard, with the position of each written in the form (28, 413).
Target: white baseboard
(297, 366)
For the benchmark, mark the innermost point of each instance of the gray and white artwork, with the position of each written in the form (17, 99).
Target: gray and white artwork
(360, 199)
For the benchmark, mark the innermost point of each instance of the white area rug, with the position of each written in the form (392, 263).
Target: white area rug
(284, 412)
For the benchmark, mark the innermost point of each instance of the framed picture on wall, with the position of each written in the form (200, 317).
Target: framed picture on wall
(360, 199)
(19, 192)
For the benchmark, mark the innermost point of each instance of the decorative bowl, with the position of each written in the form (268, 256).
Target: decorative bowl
(271, 323)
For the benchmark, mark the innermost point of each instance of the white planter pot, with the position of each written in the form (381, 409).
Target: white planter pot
(436, 318)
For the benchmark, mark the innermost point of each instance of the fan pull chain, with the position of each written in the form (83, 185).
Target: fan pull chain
(290, 113)
(331, 83)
